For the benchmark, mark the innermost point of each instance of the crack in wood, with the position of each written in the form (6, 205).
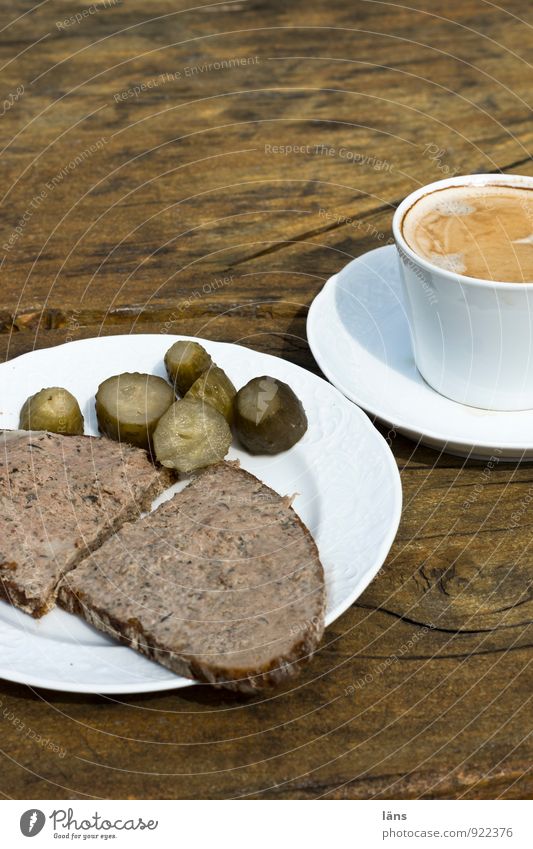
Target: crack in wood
(416, 784)
(53, 318)
(437, 656)
(432, 627)
(478, 532)
(309, 234)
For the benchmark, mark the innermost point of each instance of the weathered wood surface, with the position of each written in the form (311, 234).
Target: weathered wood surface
(185, 214)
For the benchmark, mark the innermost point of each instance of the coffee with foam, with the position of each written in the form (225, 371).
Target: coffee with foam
(479, 231)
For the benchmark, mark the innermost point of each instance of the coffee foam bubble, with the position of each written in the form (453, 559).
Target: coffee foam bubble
(451, 262)
(454, 207)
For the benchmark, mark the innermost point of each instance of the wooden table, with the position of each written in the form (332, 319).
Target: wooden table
(203, 170)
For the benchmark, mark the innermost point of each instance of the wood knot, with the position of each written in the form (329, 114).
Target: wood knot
(463, 576)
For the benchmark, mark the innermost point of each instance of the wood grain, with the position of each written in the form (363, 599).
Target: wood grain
(265, 145)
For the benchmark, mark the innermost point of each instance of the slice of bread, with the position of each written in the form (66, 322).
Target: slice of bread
(222, 584)
(60, 498)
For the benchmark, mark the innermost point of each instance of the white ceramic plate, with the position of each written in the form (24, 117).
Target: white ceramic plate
(358, 332)
(349, 496)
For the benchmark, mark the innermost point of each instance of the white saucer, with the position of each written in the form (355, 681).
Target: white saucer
(359, 335)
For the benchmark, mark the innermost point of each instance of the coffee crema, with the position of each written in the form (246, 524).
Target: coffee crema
(478, 231)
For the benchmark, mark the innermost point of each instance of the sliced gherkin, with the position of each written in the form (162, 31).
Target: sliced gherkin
(191, 435)
(129, 405)
(185, 362)
(54, 409)
(215, 388)
(268, 416)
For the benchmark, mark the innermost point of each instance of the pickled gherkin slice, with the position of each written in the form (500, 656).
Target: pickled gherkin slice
(215, 388)
(191, 435)
(128, 406)
(269, 418)
(54, 409)
(185, 362)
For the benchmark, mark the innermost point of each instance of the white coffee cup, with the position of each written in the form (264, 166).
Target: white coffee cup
(472, 339)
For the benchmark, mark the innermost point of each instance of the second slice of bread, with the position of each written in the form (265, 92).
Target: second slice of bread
(222, 584)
